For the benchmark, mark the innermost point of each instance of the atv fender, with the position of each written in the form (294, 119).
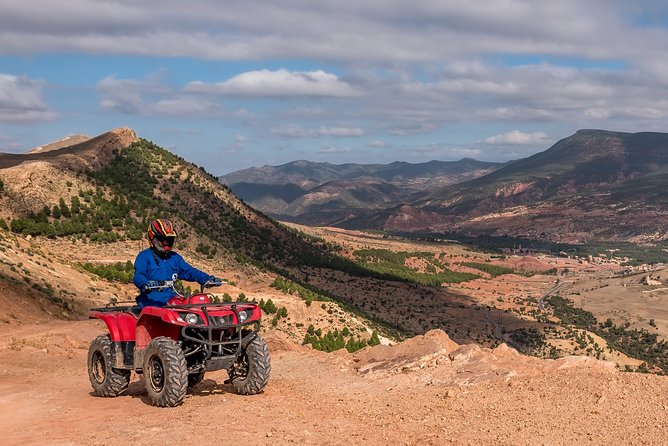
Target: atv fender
(121, 326)
(151, 326)
(248, 339)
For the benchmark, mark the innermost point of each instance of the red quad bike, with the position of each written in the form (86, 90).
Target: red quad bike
(173, 346)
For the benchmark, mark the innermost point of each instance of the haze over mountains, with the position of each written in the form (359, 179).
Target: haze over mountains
(594, 184)
(323, 193)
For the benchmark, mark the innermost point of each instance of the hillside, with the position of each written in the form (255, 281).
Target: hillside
(82, 191)
(327, 194)
(593, 185)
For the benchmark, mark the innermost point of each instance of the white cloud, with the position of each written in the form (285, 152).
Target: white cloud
(183, 106)
(243, 113)
(127, 95)
(376, 144)
(279, 83)
(339, 131)
(21, 100)
(295, 131)
(466, 152)
(517, 137)
(238, 146)
(334, 149)
(150, 97)
(346, 31)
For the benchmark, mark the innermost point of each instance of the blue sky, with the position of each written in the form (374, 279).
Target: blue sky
(230, 85)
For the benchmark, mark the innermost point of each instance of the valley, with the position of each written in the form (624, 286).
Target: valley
(490, 308)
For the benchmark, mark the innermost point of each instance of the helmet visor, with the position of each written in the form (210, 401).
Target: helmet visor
(166, 242)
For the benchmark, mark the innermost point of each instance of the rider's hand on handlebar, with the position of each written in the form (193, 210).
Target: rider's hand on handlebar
(151, 285)
(214, 281)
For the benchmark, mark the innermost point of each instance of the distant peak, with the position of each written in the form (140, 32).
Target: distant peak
(124, 132)
(598, 132)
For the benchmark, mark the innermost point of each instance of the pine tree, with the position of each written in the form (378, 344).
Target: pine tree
(375, 340)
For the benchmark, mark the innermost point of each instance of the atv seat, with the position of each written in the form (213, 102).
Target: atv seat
(135, 311)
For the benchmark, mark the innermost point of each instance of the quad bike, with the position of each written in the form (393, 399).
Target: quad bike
(173, 346)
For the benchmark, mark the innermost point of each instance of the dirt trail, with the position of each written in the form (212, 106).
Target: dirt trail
(424, 391)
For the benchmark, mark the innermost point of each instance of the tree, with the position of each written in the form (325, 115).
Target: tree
(64, 210)
(375, 340)
(76, 205)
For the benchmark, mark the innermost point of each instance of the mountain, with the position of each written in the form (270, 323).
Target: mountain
(308, 174)
(108, 188)
(594, 184)
(326, 194)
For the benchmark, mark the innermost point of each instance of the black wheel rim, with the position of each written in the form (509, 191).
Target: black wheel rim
(241, 367)
(99, 367)
(156, 374)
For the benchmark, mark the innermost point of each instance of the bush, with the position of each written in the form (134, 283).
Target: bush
(115, 272)
(268, 307)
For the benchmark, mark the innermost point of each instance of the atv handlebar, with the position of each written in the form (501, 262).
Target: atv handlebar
(153, 285)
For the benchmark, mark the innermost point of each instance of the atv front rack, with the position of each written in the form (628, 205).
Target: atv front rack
(219, 353)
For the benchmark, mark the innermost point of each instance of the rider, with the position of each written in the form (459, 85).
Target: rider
(159, 263)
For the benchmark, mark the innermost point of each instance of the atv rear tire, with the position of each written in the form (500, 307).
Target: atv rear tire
(250, 374)
(165, 372)
(106, 380)
(195, 378)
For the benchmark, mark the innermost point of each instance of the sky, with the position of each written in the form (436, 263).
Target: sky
(230, 85)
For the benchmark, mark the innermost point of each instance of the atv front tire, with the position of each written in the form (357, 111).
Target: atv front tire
(165, 372)
(250, 374)
(106, 380)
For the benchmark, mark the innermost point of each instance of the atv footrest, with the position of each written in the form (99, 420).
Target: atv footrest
(223, 362)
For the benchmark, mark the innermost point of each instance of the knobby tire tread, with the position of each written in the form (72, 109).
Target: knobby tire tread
(259, 365)
(175, 370)
(116, 380)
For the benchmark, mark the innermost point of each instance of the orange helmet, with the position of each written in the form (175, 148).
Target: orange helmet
(161, 235)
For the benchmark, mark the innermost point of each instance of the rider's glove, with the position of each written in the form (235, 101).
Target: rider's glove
(213, 280)
(150, 285)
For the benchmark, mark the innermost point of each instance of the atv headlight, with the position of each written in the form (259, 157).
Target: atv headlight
(191, 319)
(244, 315)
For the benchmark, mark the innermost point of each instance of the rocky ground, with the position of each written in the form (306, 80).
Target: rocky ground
(426, 390)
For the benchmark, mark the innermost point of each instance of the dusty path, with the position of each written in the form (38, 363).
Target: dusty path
(412, 397)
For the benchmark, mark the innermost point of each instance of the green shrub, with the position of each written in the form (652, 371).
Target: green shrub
(115, 272)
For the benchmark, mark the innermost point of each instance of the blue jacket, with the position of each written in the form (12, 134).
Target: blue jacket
(151, 266)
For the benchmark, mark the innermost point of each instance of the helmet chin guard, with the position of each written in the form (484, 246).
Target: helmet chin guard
(159, 247)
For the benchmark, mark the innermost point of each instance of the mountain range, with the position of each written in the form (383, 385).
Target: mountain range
(595, 184)
(327, 194)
